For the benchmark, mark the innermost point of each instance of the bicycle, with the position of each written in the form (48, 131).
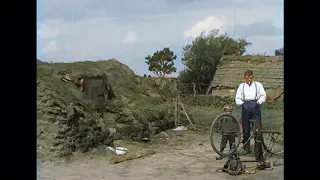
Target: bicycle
(269, 138)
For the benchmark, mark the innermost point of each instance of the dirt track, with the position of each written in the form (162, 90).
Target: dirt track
(190, 160)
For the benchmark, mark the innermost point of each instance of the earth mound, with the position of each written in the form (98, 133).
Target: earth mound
(69, 122)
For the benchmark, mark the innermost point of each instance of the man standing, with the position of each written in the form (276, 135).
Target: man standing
(250, 95)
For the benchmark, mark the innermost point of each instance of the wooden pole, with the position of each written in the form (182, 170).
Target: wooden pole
(194, 89)
(175, 112)
(176, 104)
(178, 109)
(184, 110)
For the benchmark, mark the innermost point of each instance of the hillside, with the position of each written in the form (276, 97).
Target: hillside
(138, 108)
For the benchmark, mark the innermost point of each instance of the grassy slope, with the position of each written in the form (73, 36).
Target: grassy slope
(138, 103)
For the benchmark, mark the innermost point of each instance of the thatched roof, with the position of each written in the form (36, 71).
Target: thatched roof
(267, 69)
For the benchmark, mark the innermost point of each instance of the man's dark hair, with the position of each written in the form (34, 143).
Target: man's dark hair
(248, 73)
(227, 108)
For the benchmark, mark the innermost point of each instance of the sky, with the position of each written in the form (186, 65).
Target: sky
(81, 30)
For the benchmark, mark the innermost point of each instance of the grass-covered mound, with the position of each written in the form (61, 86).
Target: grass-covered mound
(139, 107)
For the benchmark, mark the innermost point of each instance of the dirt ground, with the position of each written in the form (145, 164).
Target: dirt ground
(180, 155)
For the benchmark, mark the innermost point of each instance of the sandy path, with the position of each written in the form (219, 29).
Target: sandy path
(189, 161)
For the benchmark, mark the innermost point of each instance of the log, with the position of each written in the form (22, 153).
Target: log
(185, 112)
(131, 156)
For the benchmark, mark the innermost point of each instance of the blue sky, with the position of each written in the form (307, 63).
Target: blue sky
(78, 30)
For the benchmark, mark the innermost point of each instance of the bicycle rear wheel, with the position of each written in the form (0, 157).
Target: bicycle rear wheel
(273, 141)
(223, 129)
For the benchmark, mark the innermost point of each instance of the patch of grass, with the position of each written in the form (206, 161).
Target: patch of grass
(207, 100)
(204, 116)
(40, 155)
(272, 118)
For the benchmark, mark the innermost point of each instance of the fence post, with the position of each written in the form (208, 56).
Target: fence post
(176, 104)
(194, 89)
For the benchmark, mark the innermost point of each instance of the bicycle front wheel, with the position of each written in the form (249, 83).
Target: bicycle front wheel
(224, 132)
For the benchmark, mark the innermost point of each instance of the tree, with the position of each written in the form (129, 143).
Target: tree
(203, 55)
(279, 51)
(162, 62)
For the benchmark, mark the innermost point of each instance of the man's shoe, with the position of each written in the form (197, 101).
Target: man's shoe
(262, 165)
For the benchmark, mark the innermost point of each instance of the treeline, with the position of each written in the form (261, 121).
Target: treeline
(200, 57)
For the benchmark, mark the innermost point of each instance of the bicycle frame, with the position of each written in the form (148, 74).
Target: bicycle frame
(253, 132)
(268, 150)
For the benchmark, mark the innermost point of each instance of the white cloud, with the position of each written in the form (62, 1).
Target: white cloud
(205, 25)
(100, 27)
(130, 38)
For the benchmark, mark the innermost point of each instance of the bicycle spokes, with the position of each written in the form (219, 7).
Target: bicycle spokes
(225, 131)
(273, 143)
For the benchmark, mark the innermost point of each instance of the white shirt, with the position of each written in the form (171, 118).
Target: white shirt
(246, 92)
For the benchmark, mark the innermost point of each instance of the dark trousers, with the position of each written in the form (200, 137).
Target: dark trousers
(225, 138)
(251, 110)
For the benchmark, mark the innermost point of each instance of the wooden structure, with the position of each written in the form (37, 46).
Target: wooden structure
(267, 69)
(99, 89)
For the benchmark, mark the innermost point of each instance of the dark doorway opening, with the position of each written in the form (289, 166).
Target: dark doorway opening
(99, 90)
